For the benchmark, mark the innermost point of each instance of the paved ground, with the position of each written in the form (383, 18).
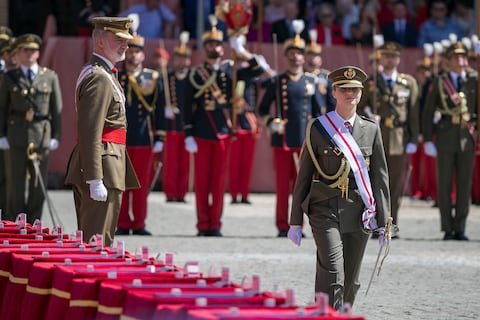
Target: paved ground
(422, 278)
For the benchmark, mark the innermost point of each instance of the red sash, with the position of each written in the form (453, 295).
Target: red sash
(118, 136)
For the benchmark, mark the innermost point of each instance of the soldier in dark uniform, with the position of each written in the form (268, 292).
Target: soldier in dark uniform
(145, 100)
(5, 37)
(99, 168)
(342, 187)
(176, 160)
(208, 125)
(313, 64)
(30, 105)
(296, 99)
(247, 131)
(396, 110)
(449, 119)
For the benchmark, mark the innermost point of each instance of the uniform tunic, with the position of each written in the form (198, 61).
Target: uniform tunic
(297, 99)
(30, 115)
(176, 160)
(144, 100)
(336, 221)
(208, 100)
(397, 107)
(100, 105)
(454, 138)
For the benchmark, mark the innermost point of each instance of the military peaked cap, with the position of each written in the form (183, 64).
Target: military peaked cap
(118, 26)
(390, 48)
(27, 41)
(348, 77)
(456, 48)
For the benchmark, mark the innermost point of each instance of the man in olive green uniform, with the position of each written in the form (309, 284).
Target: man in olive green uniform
(449, 119)
(396, 110)
(99, 168)
(342, 187)
(5, 38)
(30, 108)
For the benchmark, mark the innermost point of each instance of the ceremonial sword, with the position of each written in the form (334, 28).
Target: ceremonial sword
(386, 234)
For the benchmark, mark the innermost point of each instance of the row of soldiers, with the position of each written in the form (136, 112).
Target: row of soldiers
(198, 110)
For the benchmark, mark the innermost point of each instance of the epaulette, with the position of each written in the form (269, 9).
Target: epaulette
(367, 118)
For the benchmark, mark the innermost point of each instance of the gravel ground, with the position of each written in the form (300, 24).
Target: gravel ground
(423, 277)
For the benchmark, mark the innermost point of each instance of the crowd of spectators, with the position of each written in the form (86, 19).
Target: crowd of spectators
(353, 22)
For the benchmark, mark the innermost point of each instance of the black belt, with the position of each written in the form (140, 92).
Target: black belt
(36, 117)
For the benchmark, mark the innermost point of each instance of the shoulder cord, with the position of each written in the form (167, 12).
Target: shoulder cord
(341, 175)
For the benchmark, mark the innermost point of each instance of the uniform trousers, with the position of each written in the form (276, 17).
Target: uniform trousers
(339, 253)
(460, 163)
(17, 168)
(136, 199)
(210, 179)
(242, 154)
(397, 170)
(286, 162)
(176, 166)
(97, 217)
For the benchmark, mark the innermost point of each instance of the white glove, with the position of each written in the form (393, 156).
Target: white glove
(191, 144)
(277, 126)
(169, 114)
(295, 234)
(98, 192)
(237, 45)
(53, 144)
(430, 149)
(262, 62)
(437, 116)
(382, 240)
(4, 145)
(411, 148)
(157, 147)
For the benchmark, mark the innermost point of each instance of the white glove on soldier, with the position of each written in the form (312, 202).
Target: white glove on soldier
(98, 192)
(411, 148)
(277, 126)
(191, 144)
(53, 144)
(237, 45)
(169, 114)
(4, 145)
(430, 149)
(262, 62)
(157, 147)
(295, 234)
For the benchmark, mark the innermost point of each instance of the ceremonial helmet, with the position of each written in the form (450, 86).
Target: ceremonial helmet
(183, 50)
(214, 34)
(297, 41)
(313, 46)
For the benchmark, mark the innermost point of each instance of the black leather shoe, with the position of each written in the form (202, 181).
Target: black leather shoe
(202, 233)
(234, 201)
(214, 233)
(448, 235)
(172, 200)
(141, 232)
(181, 200)
(246, 201)
(122, 232)
(460, 236)
(282, 234)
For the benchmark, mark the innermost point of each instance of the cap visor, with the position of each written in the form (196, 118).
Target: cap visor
(123, 35)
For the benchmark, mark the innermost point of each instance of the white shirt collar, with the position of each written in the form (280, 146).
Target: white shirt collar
(351, 120)
(34, 69)
(393, 77)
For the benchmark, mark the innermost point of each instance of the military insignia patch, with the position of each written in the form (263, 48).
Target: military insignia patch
(349, 74)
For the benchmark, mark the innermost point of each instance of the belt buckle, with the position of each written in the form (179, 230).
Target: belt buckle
(456, 119)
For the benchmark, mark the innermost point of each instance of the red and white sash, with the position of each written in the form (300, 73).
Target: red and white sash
(334, 125)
